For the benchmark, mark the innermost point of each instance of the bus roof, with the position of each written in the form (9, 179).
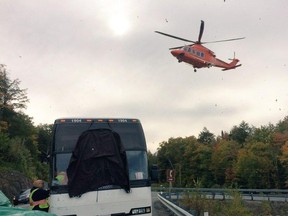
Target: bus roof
(96, 120)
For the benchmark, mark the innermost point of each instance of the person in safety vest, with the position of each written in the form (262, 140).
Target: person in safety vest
(61, 178)
(39, 196)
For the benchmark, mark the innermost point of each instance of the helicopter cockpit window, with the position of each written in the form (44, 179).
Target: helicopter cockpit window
(186, 48)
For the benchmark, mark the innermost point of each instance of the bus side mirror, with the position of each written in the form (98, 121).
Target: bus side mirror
(45, 157)
(154, 173)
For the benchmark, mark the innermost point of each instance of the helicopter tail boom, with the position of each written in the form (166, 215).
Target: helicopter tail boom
(232, 65)
(231, 68)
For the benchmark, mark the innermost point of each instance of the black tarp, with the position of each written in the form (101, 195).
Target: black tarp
(98, 160)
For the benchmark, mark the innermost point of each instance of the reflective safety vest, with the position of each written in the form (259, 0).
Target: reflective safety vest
(62, 178)
(42, 203)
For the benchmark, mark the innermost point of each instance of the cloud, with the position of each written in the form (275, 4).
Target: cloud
(73, 64)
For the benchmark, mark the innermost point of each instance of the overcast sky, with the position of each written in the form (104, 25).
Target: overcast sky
(87, 58)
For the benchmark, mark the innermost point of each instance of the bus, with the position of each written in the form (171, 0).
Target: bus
(98, 166)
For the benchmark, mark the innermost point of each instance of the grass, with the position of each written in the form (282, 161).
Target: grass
(198, 204)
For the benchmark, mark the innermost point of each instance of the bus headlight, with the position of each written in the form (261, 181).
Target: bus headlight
(137, 211)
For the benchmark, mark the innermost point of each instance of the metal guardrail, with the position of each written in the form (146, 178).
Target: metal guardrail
(170, 196)
(173, 207)
(278, 195)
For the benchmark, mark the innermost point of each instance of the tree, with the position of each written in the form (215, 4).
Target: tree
(152, 160)
(188, 163)
(18, 136)
(255, 167)
(20, 125)
(12, 98)
(240, 133)
(284, 162)
(171, 155)
(206, 137)
(4, 147)
(263, 134)
(223, 159)
(282, 126)
(22, 156)
(44, 137)
(198, 163)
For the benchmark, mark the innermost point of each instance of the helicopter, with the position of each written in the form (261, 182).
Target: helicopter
(199, 56)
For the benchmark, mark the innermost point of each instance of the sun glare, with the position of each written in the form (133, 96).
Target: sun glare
(118, 17)
(119, 25)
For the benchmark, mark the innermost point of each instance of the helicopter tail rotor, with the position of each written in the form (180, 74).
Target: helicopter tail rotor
(231, 59)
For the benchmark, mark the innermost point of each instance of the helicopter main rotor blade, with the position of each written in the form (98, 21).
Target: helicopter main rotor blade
(178, 38)
(179, 47)
(201, 31)
(223, 40)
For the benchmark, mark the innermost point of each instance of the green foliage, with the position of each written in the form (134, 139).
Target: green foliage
(22, 154)
(4, 146)
(195, 201)
(152, 158)
(19, 143)
(20, 125)
(206, 137)
(282, 125)
(199, 204)
(255, 166)
(12, 99)
(263, 134)
(223, 159)
(170, 155)
(12, 96)
(266, 208)
(21, 157)
(44, 138)
(198, 164)
(240, 133)
(249, 157)
(235, 206)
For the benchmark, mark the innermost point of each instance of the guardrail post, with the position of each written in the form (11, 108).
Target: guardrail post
(170, 188)
(251, 194)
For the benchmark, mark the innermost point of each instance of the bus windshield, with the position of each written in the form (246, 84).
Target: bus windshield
(67, 132)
